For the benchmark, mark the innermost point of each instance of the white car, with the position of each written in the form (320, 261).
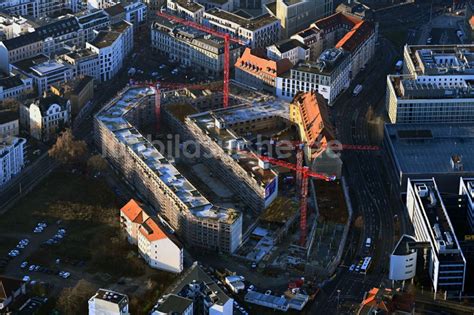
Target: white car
(66, 275)
(26, 279)
(352, 267)
(32, 268)
(23, 265)
(268, 292)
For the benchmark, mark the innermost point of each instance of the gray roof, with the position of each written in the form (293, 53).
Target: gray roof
(428, 148)
(22, 40)
(289, 44)
(174, 304)
(58, 28)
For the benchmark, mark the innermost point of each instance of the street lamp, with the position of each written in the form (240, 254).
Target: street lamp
(338, 295)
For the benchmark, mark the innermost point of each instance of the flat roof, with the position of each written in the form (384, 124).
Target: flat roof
(247, 23)
(174, 304)
(105, 39)
(428, 148)
(209, 123)
(327, 62)
(110, 296)
(189, 5)
(113, 117)
(402, 248)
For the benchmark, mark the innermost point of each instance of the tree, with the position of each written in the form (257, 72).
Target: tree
(67, 150)
(10, 104)
(359, 222)
(73, 300)
(96, 163)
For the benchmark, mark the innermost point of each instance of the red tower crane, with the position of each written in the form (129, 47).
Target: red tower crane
(227, 39)
(159, 85)
(304, 173)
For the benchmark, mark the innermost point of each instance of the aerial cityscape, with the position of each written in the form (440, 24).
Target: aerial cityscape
(247, 157)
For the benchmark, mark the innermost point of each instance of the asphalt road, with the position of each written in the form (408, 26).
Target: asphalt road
(369, 191)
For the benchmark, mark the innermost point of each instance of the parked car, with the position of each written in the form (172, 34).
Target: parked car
(23, 265)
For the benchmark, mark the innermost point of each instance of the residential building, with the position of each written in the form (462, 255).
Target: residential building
(226, 5)
(186, 9)
(12, 26)
(15, 86)
(63, 31)
(311, 115)
(194, 293)
(107, 302)
(445, 260)
(440, 151)
(224, 133)
(116, 13)
(131, 218)
(436, 86)
(112, 47)
(255, 70)
(10, 290)
(403, 259)
(135, 13)
(99, 4)
(94, 20)
(11, 162)
(466, 188)
(19, 48)
(9, 123)
(83, 62)
(191, 47)
(257, 32)
(46, 116)
(291, 49)
(78, 91)
(297, 15)
(44, 72)
(196, 221)
(329, 76)
(158, 248)
(39, 8)
(154, 5)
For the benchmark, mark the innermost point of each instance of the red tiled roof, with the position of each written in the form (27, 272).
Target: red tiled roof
(133, 211)
(336, 19)
(253, 61)
(315, 117)
(471, 21)
(152, 231)
(356, 36)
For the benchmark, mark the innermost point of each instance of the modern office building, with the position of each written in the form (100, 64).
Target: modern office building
(466, 188)
(403, 259)
(436, 86)
(196, 221)
(444, 258)
(107, 302)
(329, 76)
(442, 151)
(257, 32)
(191, 47)
(11, 158)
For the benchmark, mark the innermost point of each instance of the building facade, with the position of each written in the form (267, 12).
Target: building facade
(257, 71)
(466, 188)
(290, 49)
(444, 259)
(15, 86)
(9, 123)
(258, 32)
(197, 221)
(329, 76)
(191, 47)
(11, 158)
(107, 302)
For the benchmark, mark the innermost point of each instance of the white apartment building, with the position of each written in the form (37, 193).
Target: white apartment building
(107, 302)
(39, 8)
(159, 249)
(445, 260)
(13, 26)
(191, 47)
(466, 188)
(99, 4)
(258, 32)
(112, 47)
(19, 48)
(14, 86)
(64, 31)
(290, 49)
(46, 116)
(189, 10)
(9, 123)
(83, 62)
(11, 158)
(44, 72)
(131, 218)
(135, 13)
(436, 87)
(90, 21)
(329, 76)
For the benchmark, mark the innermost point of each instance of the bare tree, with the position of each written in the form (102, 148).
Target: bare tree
(73, 300)
(96, 163)
(10, 104)
(68, 150)
(359, 222)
